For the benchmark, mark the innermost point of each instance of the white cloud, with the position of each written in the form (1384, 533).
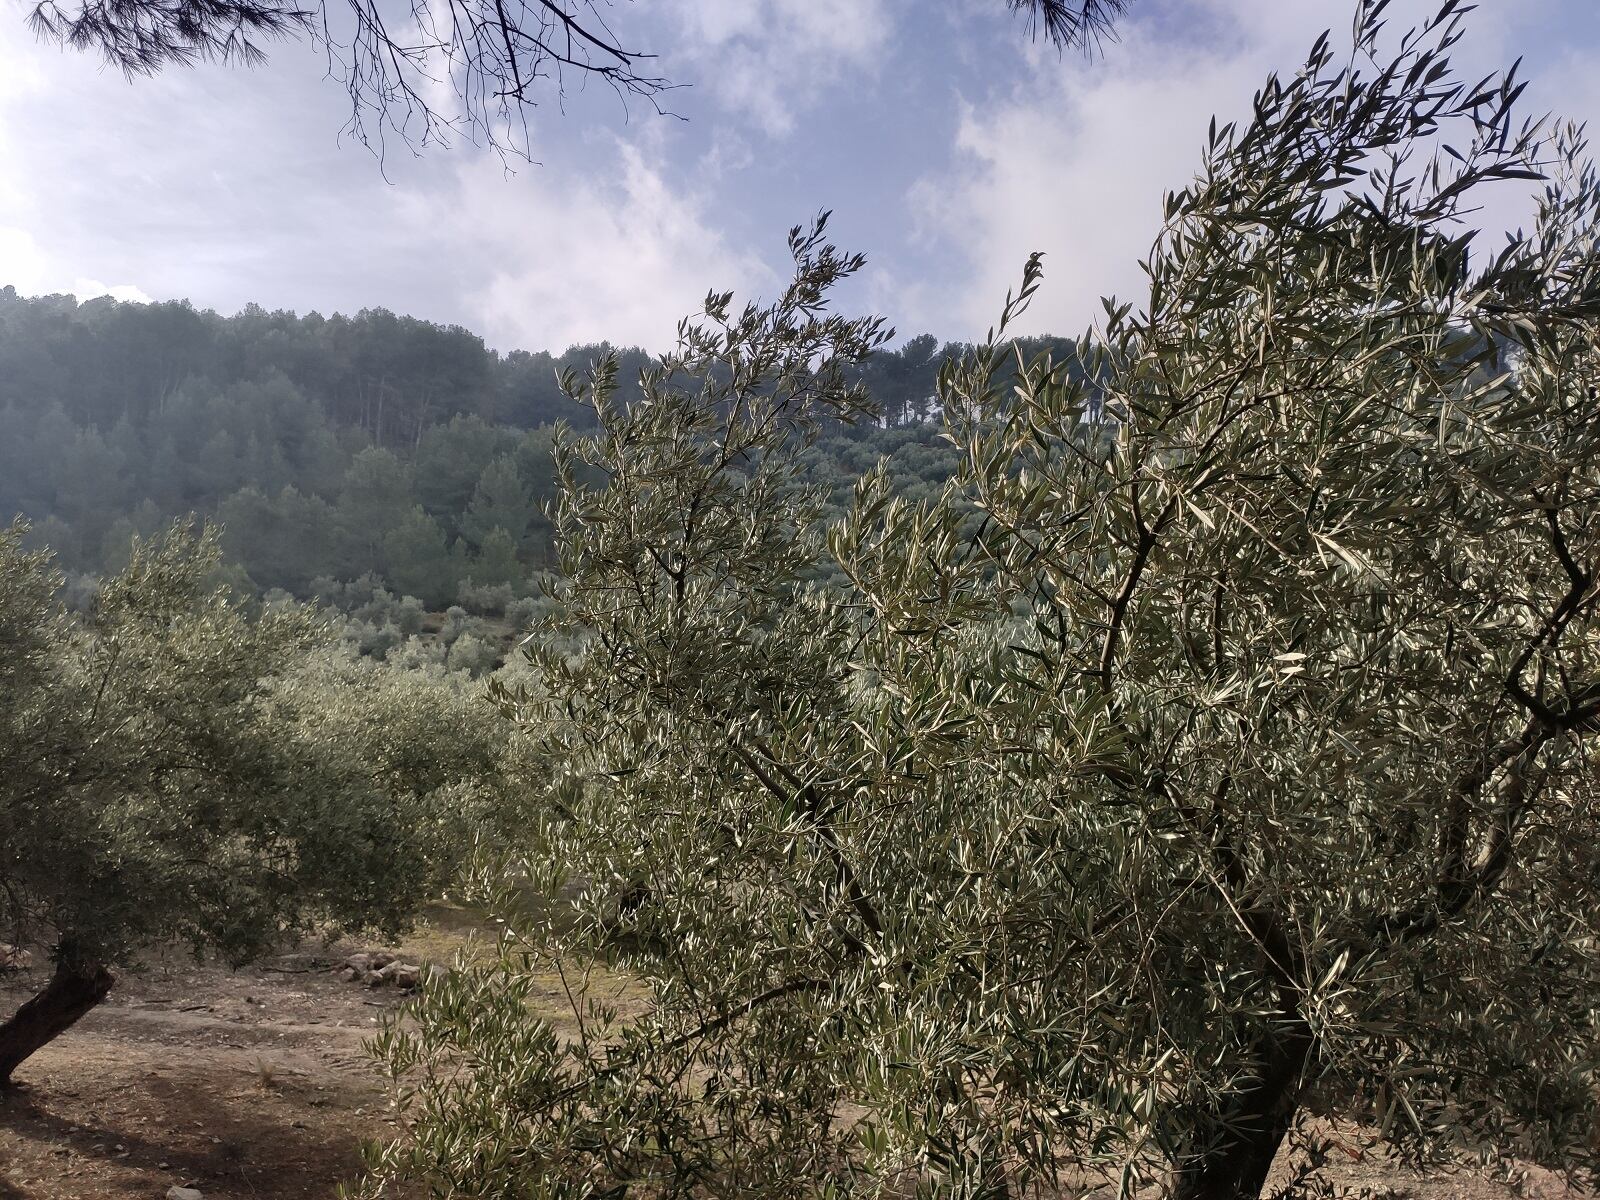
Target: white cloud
(1076, 160)
(89, 289)
(217, 184)
(559, 259)
(228, 186)
(1075, 163)
(22, 264)
(767, 61)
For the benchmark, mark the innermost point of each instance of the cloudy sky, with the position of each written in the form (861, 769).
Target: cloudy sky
(946, 144)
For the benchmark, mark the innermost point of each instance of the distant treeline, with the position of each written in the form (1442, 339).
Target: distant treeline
(330, 447)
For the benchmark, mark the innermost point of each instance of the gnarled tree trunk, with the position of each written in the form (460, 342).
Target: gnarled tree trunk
(1236, 1166)
(79, 983)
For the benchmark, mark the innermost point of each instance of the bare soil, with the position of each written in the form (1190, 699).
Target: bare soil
(250, 1084)
(253, 1085)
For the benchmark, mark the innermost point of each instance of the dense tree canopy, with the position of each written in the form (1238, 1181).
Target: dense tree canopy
(1234, 767)
(180, 771)
(315, 440)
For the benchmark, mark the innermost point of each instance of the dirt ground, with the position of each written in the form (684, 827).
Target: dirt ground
(248, 1084)
(253, 1085)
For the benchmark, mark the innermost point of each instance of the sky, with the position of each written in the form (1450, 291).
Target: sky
(946, 143)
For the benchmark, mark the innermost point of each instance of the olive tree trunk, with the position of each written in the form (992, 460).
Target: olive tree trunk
(1259, 1118)
(78, 985)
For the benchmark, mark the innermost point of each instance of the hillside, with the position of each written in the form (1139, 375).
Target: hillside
(331, 448)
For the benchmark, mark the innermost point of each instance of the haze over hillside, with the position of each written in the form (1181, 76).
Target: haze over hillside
(329, 448)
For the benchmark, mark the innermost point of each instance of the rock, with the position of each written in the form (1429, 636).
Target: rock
(380, 969)
(14, 957)
(183, 1193)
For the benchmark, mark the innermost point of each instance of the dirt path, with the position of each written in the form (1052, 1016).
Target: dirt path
(250, 1084)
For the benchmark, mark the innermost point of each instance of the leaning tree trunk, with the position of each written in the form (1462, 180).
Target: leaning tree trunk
(1258, 1118)
(79, 983)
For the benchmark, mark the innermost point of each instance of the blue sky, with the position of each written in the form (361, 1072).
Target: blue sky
(947, 146)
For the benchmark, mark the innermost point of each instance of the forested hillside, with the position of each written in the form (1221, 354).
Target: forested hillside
(332, 448)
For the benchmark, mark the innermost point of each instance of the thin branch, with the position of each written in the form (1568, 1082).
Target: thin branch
(805, 797)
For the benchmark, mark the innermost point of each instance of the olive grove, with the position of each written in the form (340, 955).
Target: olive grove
(1230, 767)
(180, 771)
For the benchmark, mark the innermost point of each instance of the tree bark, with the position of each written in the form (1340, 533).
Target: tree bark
(76, 987)
(1235, 1166)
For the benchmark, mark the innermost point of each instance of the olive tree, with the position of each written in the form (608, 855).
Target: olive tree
(1228, 770)
(179, 771)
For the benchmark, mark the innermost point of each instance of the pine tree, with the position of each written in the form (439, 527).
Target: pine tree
(501, 501)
